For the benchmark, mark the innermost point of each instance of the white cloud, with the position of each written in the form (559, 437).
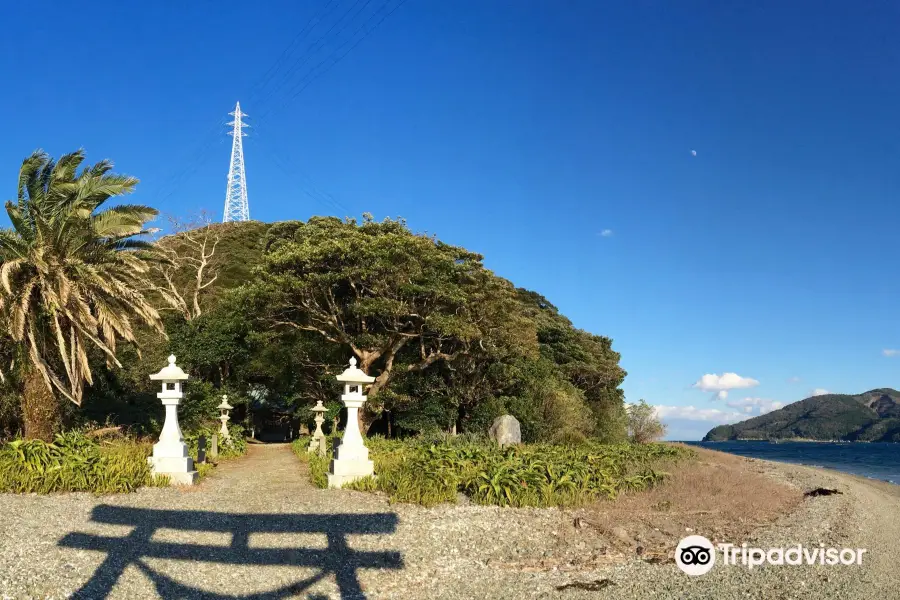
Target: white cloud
(819, 392)
(606, 233)
(762, 405)
(692, 413)
(890, 352)
(794, 379)
(723, 383)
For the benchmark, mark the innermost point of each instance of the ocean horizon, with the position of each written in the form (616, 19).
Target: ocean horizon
(874, 460)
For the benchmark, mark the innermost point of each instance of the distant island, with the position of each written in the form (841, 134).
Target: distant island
(873, 416)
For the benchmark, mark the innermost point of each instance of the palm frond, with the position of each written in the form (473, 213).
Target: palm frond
(70, 276)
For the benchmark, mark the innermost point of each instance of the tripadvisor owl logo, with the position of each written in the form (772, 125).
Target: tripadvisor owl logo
(695, 555)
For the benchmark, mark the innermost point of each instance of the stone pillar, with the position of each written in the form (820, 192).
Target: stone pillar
(351, 458)
(170, 453)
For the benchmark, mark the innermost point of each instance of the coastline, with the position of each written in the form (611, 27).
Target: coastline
(875, 460)
(863, 515)
(781, 440)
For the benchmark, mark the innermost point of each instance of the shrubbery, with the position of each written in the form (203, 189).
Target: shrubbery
(237, 446)
(74, 462)
(318, 465)
(430, 472)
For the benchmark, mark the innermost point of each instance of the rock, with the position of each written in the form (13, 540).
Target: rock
(620, 534)
(505, 430)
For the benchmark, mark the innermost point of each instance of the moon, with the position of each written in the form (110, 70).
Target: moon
(693, 153)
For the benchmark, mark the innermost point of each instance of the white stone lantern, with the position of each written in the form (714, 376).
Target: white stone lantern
(319, 419)
(223, 409)
(170, 453)
(351, 458)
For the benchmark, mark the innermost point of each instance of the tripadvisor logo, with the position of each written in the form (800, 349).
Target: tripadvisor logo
(696, 555)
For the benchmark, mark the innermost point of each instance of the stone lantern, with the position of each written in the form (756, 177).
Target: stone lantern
(223, 409)
(170, 453)
(351, 458)
(319, 419)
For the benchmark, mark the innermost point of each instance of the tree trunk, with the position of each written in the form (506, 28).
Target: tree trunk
(41, 411)
(365, 419)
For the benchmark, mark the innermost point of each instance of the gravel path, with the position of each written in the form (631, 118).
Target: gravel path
(258, 529)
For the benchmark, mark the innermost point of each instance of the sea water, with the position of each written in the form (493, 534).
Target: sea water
(873, 460)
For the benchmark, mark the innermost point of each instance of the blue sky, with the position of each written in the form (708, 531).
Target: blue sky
(523, 129)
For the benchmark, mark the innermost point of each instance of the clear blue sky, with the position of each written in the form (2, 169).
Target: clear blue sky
(523, 129)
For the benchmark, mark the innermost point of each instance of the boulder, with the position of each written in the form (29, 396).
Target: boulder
(505, 430)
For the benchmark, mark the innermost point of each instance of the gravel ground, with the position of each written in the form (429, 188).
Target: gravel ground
(257, 529)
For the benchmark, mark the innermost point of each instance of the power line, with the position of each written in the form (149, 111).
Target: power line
(270, 73)
(311, 76)
(199, 157)
(191, 164)
(310, 189)
(315, 47)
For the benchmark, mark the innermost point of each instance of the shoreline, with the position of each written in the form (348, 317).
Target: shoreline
(862, 516)
(783, 440)
(872, 470)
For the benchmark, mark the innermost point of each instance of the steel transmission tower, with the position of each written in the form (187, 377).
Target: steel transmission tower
(236, 206)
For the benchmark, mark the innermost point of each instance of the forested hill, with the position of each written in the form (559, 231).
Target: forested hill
(276, 310)
(873, 416)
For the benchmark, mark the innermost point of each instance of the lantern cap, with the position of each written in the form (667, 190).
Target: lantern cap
(318, 407)
(171, 372)
(225, 405)
(354, 375)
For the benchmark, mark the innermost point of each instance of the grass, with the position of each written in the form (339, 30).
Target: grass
(237, 447)
(318, 465)
(721, 496)
(75, 462)
(430, 472)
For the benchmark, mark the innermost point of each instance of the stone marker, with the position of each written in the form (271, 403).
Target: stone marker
(505, 430)
(214, 447)
(201, 449)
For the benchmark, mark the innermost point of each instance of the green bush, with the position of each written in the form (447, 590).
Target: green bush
(423, 472)
(75, 463)
(237, 446)
(318, 465)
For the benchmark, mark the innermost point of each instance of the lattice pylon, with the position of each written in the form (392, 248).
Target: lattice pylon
(236, 205)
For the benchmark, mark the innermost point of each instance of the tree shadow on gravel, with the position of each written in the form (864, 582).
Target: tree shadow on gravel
(132, 549)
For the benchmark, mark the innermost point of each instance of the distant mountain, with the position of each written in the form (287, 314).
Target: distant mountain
(870, 417)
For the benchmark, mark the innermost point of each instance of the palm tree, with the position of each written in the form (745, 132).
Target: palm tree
(70, 279)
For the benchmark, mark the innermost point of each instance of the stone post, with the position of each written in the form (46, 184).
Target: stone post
(319, 419)
(351, 458)
(170, 453)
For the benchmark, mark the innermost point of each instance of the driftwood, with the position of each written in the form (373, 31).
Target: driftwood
(591, 586)
(821, 492)
(101, 432)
